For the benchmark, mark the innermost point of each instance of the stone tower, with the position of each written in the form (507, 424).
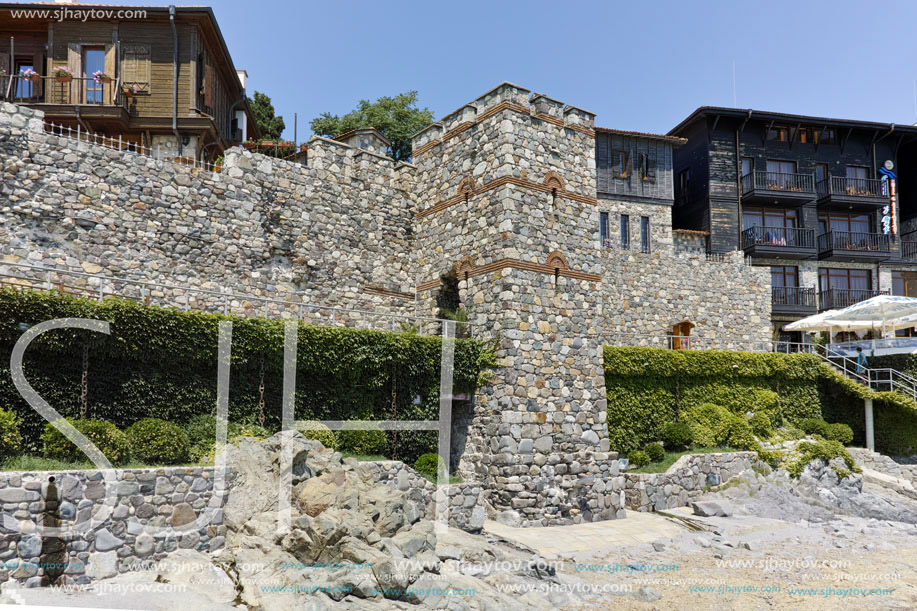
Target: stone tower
(506, 195)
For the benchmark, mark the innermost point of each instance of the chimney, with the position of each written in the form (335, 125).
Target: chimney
(243, 76)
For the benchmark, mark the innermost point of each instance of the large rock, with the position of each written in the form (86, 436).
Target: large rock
(712, 508)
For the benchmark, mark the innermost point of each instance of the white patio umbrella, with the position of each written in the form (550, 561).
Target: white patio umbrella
(813, 323)
(886, 312)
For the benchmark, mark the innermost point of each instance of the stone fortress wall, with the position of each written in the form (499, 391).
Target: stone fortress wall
(503, 190)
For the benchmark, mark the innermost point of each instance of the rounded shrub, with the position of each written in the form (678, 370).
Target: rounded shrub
(202, 433)
(761, 425)
(814, 426)
(10, 439)
(677, 435)
(839, 432)
(709, 424)
(655, 452)
(251, 430)
(427, 465)
(104, 435)
(366, 443)
(638, 458)
(318, 432)
(158, 441)
(738, 434)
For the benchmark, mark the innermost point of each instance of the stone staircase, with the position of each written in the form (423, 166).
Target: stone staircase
(881, 470)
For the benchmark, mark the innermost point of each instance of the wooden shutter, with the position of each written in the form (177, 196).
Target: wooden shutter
(651, 165)
(603, 162)
(135, 66)
(110, 71)
(74, 63)
(5, 65)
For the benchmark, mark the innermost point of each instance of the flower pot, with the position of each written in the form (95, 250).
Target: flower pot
(127, 92)
(34, 78)
(66, 78)
(105, 79)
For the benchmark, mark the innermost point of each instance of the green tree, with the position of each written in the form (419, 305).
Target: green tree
(397, 118)
(271, 126)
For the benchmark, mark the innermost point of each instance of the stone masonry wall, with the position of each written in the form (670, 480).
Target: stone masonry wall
(142, 514)
(333, 232)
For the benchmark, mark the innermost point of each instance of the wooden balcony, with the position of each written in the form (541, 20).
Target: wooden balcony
(793, 300)
(832, 299)
(909, 250)
(853, 246)
(778, 188)
(79, 98)
(779, 242)
(859, 193)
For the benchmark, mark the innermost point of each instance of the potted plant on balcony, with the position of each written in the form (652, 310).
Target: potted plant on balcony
(62, 74)
(100, 77)
(129, 90)
(29, 75)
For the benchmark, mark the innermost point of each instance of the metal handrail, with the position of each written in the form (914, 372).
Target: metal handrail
(853, 187)
(47, 89)
(143, 285)
(854, 240)
(793, 295)
(778, 236)
(829, 299)
(778, 181)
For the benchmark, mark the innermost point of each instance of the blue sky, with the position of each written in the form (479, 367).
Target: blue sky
(638, 65)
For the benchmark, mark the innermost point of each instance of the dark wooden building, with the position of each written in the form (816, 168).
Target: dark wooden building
(829, 204)
(159, 77)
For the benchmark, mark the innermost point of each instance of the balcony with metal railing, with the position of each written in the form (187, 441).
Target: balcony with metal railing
(832, 299)
(779, 242)
(778, 188)
(854, 246)
(865, 193)
(86, 97)
(793, 300)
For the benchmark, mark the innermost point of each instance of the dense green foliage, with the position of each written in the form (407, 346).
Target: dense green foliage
(654, 451)
(112, 442)
(319, 433)
(648, 388)
(271, 125)
(825, 449)
(158, 442)
(839, 431)
(161, 363)
(10, 437)
(760, 425)
(814, 426)
(397, 118)
(428, 464)
(676, 435)
(362, 442)
(638, 458)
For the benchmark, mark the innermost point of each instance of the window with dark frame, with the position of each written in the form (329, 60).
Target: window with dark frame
(780, 133)
(644, 234)
(622, 165)
(603, 229)
(748, 165)
(625, 231)
(784, 284)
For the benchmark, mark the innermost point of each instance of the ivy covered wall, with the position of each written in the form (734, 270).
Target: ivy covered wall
(649, 387)
(162, 362)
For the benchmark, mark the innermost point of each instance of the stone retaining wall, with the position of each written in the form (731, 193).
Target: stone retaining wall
(884, 464)
(107, 523)
(465, 501)
(607, 497)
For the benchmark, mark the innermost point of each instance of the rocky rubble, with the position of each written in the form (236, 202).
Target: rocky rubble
(354, 543)
(818, 495)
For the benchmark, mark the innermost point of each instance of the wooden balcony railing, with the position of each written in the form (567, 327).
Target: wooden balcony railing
(48, 90)
(778, 181)
(778, 236)
(845, 240)
(831, 299)
(802, 296)
(851, 187)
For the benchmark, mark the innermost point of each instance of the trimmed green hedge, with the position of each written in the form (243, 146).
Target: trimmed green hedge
(162, 363)
(648, 388)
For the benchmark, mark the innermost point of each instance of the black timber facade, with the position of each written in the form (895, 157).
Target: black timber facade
(805, 196)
